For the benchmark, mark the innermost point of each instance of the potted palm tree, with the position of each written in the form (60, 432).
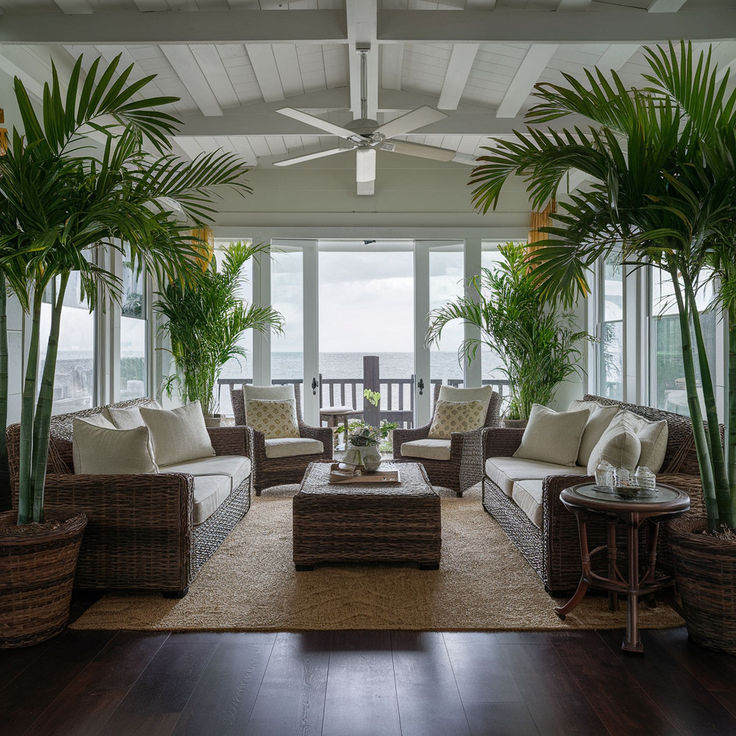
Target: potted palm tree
(63, 196)
(662, 161)
(536, 344)
(205, 322)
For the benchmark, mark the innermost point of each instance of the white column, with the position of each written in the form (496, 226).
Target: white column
(110, 368)
(421, 323)
(310, 297)
(261, 298)
(473, 263)
(637, 350)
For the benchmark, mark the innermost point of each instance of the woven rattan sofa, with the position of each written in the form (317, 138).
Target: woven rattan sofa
(552, 547)
(141, 533)
(464, 466)
(273, 471)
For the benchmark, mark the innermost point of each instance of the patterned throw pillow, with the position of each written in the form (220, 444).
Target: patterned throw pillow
(456, 416)
(275, 419)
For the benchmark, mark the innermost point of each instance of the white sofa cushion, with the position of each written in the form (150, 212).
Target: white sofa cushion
(293, 446)
(653, 437)
(99, 449)
(209, 493)
(233, 467)
(504, 471)
(553, 436)
(456, 416)
(527, 494)
(428, 449)
(599, 419)
(178, 434)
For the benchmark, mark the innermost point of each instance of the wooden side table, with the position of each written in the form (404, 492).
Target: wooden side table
(633, 511)
(337, 415)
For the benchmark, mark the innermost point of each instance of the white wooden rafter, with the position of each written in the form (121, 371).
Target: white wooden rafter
(456, 75)
(534, 63)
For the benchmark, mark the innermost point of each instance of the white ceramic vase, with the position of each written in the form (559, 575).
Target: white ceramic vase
(367, 457)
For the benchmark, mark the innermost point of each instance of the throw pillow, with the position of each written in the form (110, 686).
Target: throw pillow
(653, 436)
(102, 450)
(178, 434)
(274, 418)
(553, 436)
(619, 444)
(600, 417)
(129, 417)
(456, 416)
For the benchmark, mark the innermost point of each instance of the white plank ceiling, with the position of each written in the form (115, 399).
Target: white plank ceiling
(229, 91)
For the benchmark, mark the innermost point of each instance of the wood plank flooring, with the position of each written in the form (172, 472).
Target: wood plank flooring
(378, 683)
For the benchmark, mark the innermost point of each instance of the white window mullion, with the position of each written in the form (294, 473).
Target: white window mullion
(261, 298)
(422, 396)
(310, 300)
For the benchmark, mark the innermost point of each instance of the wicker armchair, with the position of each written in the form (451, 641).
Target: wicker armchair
(465, 466)
(553, 550)
(273, 471)
(140, 532)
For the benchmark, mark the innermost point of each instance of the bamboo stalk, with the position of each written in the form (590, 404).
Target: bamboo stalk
(731, 516)
(3, 371)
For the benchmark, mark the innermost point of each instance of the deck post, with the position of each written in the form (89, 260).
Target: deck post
(371, 414)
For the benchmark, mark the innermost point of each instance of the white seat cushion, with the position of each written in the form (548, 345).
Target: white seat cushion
(428, 449)
(527, 494)
(209, 492)
(504, 471)
(234, 467)
(293, 446)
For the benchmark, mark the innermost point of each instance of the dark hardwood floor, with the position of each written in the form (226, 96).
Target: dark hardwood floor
(380, 683)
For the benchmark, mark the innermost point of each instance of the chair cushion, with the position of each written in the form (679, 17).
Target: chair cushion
(527, 494)
(432, 449)
(209, 492)
(456, 416)
(234, 467)
(274, 418)
(598, 420)
(453, 393)
(620, 446)
(553, 436)
(266, 393)
(293, 446)
(504, 471)
(99, 449)
(179, 434)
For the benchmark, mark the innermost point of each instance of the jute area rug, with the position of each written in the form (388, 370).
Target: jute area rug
(250, 585)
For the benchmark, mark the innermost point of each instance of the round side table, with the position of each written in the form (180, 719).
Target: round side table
(632, 510)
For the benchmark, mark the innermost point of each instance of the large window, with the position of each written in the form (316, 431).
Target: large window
(133, 333)
(74, 384)
(490, 362)
(611, 325)
(446, 284)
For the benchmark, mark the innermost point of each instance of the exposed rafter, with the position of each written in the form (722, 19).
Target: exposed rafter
(532, 66)
(456, 75)
(665, 6)
(392, 62)
(182, 60)
(267, 73)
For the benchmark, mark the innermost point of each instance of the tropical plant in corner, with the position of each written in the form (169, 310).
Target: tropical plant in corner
(92, 170)
(205, 321)
(535, 343)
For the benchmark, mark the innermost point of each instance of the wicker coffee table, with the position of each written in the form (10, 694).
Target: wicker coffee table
(367, 523)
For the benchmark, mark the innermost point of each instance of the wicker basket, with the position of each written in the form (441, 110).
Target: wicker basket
(36, 577)
(705, 576)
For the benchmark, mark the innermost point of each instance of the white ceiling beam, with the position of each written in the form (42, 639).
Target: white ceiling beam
(392, 62)
(267, 73)
(724, 57)
(456, 76)
(480, 4)
(74, 6)
(362, 22)
(615, 56)
(21, 63)
(665, 6)
(185, 65)
(287, 64)
(574, 4)
(529, 71)
(210, 63)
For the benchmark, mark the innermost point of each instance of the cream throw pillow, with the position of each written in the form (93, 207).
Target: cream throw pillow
(276, 419)
(129, 417)
(178, 434)
(99, 449)
(456, 416)
(599, 419)
(553, 436)
(653, 436)
(619, 444)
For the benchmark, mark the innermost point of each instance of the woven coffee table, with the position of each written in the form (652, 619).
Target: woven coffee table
(360, 523)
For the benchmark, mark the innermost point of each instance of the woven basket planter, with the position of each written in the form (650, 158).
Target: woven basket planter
(36, 575)
(705, 576)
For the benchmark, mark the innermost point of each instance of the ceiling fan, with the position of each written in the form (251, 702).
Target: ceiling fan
(365, 136)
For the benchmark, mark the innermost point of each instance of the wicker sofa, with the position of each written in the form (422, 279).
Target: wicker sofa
(141, 533)
(551, 544)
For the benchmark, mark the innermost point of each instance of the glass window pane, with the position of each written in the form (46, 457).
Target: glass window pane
(133, 333)
(490, 363)
(611, 347)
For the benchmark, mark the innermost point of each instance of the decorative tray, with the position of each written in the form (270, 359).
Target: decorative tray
(344, 474)
(625, 491)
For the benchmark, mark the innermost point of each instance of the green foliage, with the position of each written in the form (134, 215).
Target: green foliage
(536, 345)
(64, 195)
(662, 160)
(372, 397)
(205, 319)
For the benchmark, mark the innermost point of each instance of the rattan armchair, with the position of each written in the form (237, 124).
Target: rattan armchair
(274, 471)
(465, 466)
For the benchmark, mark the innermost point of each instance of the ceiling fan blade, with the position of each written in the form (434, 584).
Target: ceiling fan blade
(310, 156)
(411, 121)
(416, 149)
(315, 122)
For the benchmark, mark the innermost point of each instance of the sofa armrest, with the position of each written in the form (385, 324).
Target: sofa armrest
(501, 441)
(323, 434)
(230, 440)
(408, 435)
